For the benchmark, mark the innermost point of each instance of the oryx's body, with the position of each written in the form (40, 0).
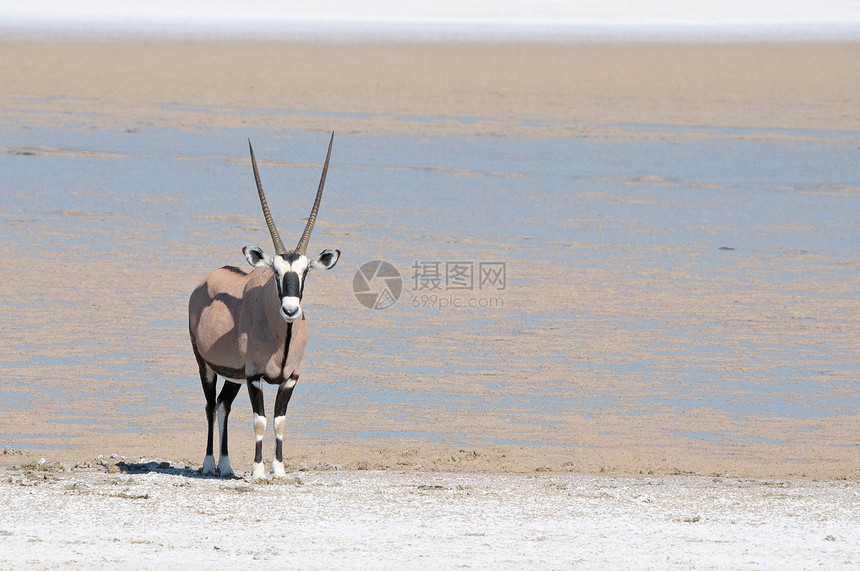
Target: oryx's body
(244, 335)
(249, 327)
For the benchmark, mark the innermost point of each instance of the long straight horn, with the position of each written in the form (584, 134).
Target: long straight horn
(306, 235)
(276, 238)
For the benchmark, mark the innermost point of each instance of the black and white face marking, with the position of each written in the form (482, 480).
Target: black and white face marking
(290, 270)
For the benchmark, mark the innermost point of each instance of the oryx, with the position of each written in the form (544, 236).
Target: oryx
(249, 327)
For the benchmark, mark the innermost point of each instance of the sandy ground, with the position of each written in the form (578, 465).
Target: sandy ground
(111, 511)
(518, 89)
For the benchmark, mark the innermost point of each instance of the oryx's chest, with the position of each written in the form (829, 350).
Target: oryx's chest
(276, 355)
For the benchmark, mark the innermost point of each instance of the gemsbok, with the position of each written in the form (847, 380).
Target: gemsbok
(249, 327)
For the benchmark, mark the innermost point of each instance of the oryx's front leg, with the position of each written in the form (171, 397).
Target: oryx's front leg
(255, 392)
(225, 403)
(285, 391)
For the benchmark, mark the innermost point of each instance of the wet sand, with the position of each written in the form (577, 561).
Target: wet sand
(584, 92)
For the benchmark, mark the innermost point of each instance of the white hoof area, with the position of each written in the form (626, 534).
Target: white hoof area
(278, 469)
(258, 472)
(209, 466)
(224, 468)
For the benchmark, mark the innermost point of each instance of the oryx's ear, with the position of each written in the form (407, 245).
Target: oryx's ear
(326, 260)
(257, 257)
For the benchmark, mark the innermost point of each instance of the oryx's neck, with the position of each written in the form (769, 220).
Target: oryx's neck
(285, 343)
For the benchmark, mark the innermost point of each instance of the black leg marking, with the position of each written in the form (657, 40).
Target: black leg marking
(279, 450)
(255, 392)
(225, 399)
(285, 391)
(208, 380)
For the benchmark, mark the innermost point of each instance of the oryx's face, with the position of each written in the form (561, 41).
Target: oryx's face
(290, 271)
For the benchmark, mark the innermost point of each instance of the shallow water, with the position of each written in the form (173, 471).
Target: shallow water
(660, 270)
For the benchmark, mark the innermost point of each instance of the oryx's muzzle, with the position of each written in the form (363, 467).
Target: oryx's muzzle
(291, 308)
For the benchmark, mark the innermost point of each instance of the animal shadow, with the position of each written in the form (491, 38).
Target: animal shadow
(162, 468)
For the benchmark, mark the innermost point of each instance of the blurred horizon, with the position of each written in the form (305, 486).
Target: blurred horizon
(411, 20)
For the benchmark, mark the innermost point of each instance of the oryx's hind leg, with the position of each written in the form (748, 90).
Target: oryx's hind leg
(225, 403)
(255, 392)
(208, 378)
(285, 391)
